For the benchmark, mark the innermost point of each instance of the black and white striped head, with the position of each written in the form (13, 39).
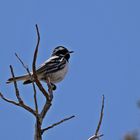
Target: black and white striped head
(62, 51)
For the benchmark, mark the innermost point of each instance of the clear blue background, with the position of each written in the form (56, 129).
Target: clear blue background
(105, 36)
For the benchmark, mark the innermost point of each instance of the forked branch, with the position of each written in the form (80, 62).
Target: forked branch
(96, 134)
(20, 101)
(33, 84)
(39, 115)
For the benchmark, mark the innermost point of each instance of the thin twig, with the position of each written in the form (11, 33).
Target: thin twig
(101, 117)
(9, 101)
(34, 68)
(16, 87)
(55, 124)
(18, 104)
(28, 71)
(25, 66)
(97, 135)
(21, 103)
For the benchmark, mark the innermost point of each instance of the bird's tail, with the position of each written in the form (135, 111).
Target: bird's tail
(19, 78)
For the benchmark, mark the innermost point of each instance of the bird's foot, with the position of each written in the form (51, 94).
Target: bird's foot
(53, 86)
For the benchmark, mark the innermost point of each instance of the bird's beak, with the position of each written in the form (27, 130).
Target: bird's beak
(71, 51)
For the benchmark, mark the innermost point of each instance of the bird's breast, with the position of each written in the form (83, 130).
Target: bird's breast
(58, 75)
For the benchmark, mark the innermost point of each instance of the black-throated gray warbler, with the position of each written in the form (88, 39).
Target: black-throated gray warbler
(55, 68)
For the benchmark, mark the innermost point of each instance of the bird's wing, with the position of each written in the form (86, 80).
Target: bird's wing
(53, 64)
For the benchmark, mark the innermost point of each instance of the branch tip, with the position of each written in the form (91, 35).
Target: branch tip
(96, 135)
(56, 124)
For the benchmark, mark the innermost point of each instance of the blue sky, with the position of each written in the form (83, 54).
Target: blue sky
(105, 37)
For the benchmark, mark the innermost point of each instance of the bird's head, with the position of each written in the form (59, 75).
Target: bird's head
(62, 51)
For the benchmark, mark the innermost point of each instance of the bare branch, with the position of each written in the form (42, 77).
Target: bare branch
(48, 95)
(50, 90)
(35, 98)
(96, 135)
(58, 123)
(25, 66)
(34, 68)
(16, 87)
(28, 71)
(38, 135)
(47, 105)
(29, 109)
(18, 104)
(9, 101)
(45, 109)
(101, 117)
(21, 103)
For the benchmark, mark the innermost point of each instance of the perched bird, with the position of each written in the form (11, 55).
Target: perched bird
(55, 68)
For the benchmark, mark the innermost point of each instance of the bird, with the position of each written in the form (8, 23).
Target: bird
(55, 68)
